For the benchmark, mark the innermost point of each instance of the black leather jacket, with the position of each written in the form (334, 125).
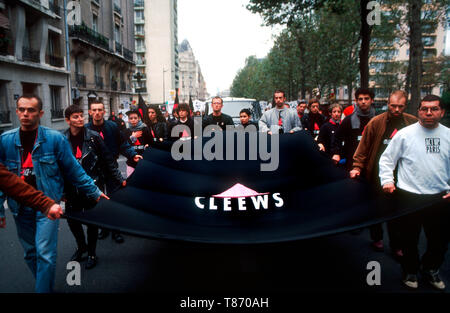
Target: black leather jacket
(98, 163)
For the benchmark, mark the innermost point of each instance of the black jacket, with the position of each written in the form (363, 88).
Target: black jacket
(115, 140)
(326, 136)
(98, 163)
(347, 139)
(223, 120)
(189, 123)
(160, 130)
(313, 119)
(139, 144)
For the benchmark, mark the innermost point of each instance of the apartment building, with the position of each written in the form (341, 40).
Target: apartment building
(33, 59)
(192, 83)
(156, 31)
(102, 54)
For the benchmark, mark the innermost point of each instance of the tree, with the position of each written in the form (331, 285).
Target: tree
(287, 12)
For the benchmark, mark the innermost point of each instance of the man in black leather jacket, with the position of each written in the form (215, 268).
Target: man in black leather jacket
(95, 158)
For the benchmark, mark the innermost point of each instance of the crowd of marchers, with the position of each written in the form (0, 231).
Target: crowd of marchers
(40, 167)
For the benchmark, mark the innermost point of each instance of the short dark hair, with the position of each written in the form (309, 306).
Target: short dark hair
(184, 107)
(30, 96)
(364, 91)
(430, 98)
(133, 112)
(217, 97)
(96, 101)
(71, 109)
(279, 91)
(314, 100)
(246, 111)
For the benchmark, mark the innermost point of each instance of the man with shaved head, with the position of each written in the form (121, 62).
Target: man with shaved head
(376, 136)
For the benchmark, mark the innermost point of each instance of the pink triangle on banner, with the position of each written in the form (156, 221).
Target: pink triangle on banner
(239, 191)
(185, 134)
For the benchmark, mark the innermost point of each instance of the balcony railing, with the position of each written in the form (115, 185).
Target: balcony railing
(57, 113)
(98, 82)
(123, 86)
(138, 3)
(128, 54)
(5, 117)
(90, 35)
(140, 89)
(55, 60)
(118, 48)
(30, 55)
(114, 85)
(140, 62)
(80, 80)
(117, 9)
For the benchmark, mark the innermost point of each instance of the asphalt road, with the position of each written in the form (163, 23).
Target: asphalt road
(329, 264)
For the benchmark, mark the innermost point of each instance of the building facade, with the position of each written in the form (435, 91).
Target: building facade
(192, 82)
(156, 31)
(33, 59)
(102, 54)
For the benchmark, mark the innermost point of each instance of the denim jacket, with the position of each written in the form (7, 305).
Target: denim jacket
(53, 163)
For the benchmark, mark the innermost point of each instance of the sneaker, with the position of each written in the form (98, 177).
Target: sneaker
(410, 281)
(78, 255)
(378, 245)
(91, 262)
(432, 276)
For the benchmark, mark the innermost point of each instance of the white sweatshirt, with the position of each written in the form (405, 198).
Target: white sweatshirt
(423, 158)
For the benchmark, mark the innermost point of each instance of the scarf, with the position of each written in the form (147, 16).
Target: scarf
(355, 118)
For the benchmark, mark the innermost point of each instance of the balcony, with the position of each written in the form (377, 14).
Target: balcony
(114, 85)
(118, 47)
(30, 55)
(123, 86)
(57, 113)
(98, 82)
(85, 33)
(140, 89)
(139, 3)
(55, 60)
(5, 117)
(139, 21)
(117, 9)
(140, 62)
(128, 54)
(80, 80)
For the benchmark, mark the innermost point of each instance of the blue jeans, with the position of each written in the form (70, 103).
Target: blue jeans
(39, 237)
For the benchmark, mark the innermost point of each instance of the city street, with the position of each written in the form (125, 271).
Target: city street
(328, 264)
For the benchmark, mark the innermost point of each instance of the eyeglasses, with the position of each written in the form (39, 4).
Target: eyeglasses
(30, 110)
(433, 109)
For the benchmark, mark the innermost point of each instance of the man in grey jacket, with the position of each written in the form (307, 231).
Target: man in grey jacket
(280, 119)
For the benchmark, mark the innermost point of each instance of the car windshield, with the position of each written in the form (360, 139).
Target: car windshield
(233, 108)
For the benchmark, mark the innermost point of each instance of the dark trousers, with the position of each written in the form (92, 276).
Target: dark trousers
(393, 228)
(435, 222)
(92, 232)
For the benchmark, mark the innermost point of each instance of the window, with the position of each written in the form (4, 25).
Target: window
(55, 94)
(139, 44)
(95, 22)
(117, 33)
(139, 29)
(5, 116)
(138, 15)
(428, 40)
